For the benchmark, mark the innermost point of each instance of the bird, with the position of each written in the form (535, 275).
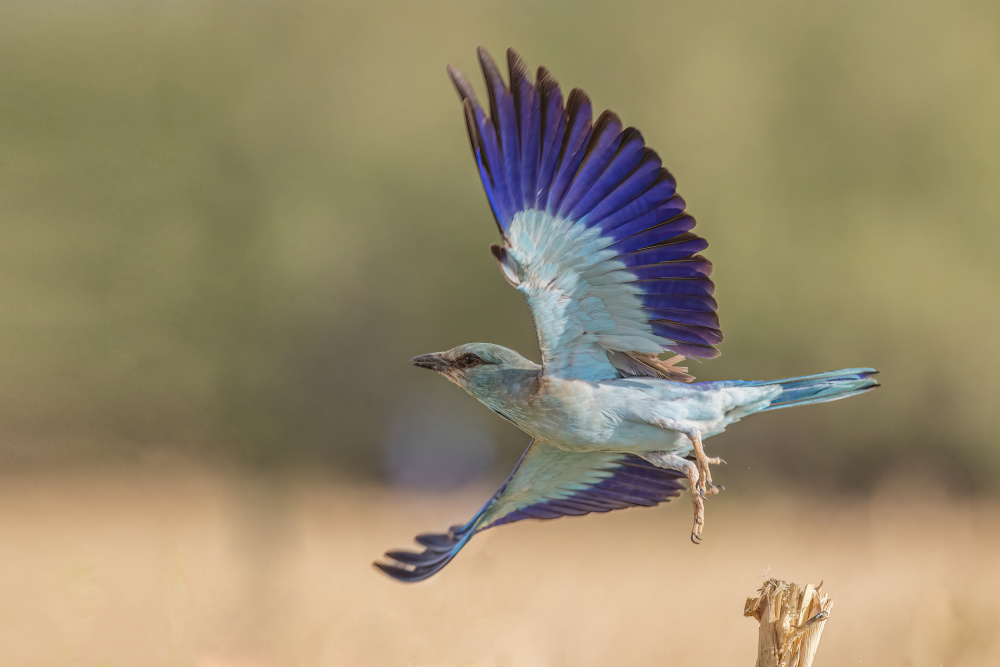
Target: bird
(596, 238)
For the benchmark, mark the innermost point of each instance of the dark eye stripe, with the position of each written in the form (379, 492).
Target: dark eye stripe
(469, 360)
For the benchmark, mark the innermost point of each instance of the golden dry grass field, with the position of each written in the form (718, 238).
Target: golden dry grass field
(181, 566)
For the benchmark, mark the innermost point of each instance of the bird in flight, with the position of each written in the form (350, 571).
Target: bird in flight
(595, 236)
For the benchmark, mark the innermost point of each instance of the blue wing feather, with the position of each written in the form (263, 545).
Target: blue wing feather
(553, 123)
(505, 117)
(705, 319)
(578, 116)
(677, 247)
(662, 189)
(662, 223)
(617, 175)
(693, 267)
(493, 160)
(631, 188)
(605, 139)
(688, 286)
(529, 126)
(700, 304)
(686, 333)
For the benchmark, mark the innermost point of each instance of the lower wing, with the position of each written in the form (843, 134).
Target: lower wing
(547, 483)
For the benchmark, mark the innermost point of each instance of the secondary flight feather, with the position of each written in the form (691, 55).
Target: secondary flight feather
(595, 236)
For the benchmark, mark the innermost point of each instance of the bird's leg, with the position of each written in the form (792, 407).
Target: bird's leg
(705, 487)
(703, 462)
(689, 470)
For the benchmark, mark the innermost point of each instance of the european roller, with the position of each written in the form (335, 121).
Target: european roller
(595, 236)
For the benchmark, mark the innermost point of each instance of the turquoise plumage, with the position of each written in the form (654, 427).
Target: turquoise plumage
(598, 241)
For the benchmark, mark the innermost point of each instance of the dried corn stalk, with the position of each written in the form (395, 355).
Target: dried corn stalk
(791, 622)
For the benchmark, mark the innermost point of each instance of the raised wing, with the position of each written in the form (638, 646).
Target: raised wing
(546, 483)
(594, 233)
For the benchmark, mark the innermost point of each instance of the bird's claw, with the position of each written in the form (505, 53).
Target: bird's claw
(700, 479)
(699, 521)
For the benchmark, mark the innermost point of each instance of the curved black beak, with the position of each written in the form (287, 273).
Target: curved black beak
(433, 361)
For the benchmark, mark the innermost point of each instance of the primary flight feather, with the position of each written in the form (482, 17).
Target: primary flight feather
(595, 236)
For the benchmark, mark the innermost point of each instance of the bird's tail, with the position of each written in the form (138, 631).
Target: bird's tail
(822, 387)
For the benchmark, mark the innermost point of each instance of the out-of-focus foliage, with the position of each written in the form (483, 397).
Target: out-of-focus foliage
(227, 226)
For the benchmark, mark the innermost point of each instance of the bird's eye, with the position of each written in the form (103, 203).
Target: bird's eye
(471, 360)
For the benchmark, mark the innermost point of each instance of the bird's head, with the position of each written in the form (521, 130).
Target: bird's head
(482, 369)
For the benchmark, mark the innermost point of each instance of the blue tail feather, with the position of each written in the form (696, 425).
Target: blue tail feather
(820, 388)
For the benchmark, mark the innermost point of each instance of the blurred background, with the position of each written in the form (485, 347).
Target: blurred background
(227, 227)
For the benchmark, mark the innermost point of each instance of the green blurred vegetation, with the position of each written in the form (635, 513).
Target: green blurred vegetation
(227, 226)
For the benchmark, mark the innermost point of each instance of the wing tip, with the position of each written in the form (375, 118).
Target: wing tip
(577, 102)
(545, 82)
(411, 566)
(465, 90)
(516, 65)
(394, 571)
(490, 70)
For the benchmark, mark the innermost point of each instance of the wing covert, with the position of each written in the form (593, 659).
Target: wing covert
(547, 483)
(594, 232)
